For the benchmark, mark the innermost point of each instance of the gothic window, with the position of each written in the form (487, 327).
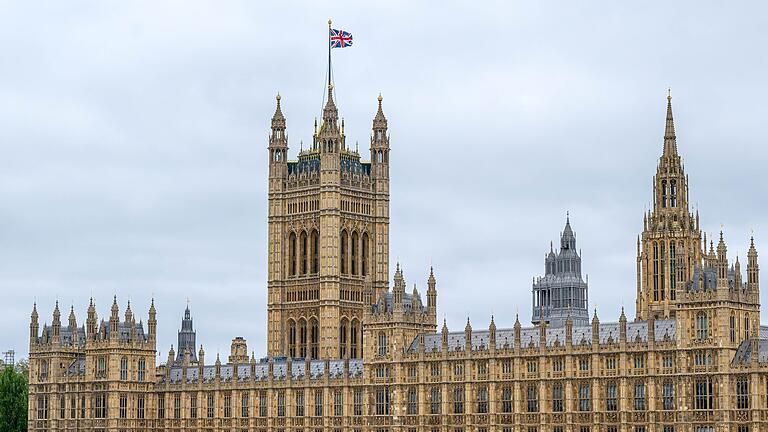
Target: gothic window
(557, 397)
(193, 406)
(458, 400)
(343, 338)
(673, 193)
(357, 402)
(281, 403)
(382, 401)
(292, 254)
(291, 338)
(742, 393)
(532, 397)
(177, 406)
(338, 403)
(42, 407)
(315, 241)
(244, 405)
(640, 396)
(299, 403)
(413, 405)
(100, 405)
(703, 394)
(343, 263)
(315, 336)
(732, 325)
(661, 266)
(506, 399)
(746, 327)
(302, 338)
(353, 338)
(262, 403)
(353, 250)
(319, 403)
(672, 273)
(585, 402)
(140, 405)
(702, 326)
(124, 369)
(304, 252)
(668, 396)
(364, 255)
(142, 369)
(382, 344)
(611, 397)
(482, 400)
(655, 271)
(211, 407)
(663, 193)
(227, 405)
(43, 370)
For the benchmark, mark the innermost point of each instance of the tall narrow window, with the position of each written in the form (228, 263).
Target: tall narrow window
(434, 400)
(673, 193)
(315, 339)
(668, 396)
(354, 253)
(353, 337)
(746, 327)
(245, 399)
(302, 338)
(703, 394)
(227, 405)
(458, 400)
(413, 402)
(140, 402)
(319, 403)
(382, 344)
(124, 369)
(211, 406)
(123, 407)
(732, 325)
(364, 255)
(663, 193)
(315, 240)
(585, 401)
(482, 400)
(742, 393)
(382, 401)
(338, 403)
(292, 338)
(506, 399)
(611, 397)
(142, 369)
(702, 326)
(532, 396)
(655, 271)
(304, 252)
(672, 272)
(640, 396)
(662, 265)
(292, 254)
(281, 403)
(343, 263)
(357, 402)
(557, 397)
(343, 338)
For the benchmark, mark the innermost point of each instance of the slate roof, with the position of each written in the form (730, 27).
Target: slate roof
(317, 370)
(744, 351)
(529, 336)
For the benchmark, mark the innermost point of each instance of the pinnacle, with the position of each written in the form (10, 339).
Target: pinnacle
(670, 140)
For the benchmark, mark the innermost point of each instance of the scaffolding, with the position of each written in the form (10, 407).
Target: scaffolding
(9, 357)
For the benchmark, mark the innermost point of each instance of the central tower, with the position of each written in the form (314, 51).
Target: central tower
(328, 242)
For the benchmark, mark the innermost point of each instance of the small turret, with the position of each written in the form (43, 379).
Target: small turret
(416, 300)
(91, 321)
(56, 324)
(380, 145)
(398, 293)
(152, 322)
(114, 321)
(622, 326)
(34, 325)
(468, 335)
(431, 294)
(171, 356)
(278, 144)
(128, 313)
(73, 325)
(517, 329)
(753, 270)
(595, 329)
(445, 336)
(492, 334)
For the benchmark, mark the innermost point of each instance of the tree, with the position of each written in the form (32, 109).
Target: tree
(13, 400)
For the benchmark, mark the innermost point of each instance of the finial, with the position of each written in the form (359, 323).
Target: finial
(380, 98)
(669, 94)
(329, 22)
(278, 97)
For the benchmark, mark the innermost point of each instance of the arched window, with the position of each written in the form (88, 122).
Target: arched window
(142, 369)
(343, 338)
(655, 271)
(302, 338)
(291, 338)
(343, 263)
(315, 338)
(673, 193)
(364, 255)
(732, 327)
(292, 254)
(304, 252)
(124, 369)
(353, 251)
(702, 326)
(746, 327)
(315, 240)
(382, 344)
(672, 272)
(353, 337)
(663, 193)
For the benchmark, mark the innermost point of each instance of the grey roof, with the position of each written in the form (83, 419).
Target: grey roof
(529, 336)
(260, 371)
(744, 352)
(763, 332)
(77, 367)
(407, 303)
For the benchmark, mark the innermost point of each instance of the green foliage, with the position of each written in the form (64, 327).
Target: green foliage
(13, 400)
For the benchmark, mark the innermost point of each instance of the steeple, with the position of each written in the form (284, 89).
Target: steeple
(330, 113)
(670, 140)
(152, 322)
(72, 320)
(380, 144)
(186, 337)
(278, 145)
(431, 293)
(91, 321)
(34, 325)
(56, 324)
(568, 239)
(753, 270)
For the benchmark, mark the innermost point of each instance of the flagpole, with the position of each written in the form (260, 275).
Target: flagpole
(329, 53)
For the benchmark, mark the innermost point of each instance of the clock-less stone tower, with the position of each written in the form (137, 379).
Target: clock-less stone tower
(328, 238)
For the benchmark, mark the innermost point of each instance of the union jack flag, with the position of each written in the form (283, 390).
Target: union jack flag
(340, 38)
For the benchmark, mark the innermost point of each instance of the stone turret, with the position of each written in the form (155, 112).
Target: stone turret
(34, 325)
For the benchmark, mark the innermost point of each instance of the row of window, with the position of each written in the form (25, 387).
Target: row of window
(703, 394)
(101, 368)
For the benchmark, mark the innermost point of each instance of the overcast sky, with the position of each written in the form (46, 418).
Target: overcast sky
(133, 141)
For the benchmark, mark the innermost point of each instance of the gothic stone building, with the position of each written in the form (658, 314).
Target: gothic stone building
(345, 353)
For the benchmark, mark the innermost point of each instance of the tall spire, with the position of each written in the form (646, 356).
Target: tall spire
(670, 140)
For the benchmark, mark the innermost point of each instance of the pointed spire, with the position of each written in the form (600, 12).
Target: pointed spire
(34, 316)
(72, 319)
(115, 308)
(380, 121)
(330, 112)
(278, 118)
(56, 314)
(128, 312)
(670, 140)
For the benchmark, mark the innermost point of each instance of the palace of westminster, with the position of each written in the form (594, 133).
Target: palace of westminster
(349, 352)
